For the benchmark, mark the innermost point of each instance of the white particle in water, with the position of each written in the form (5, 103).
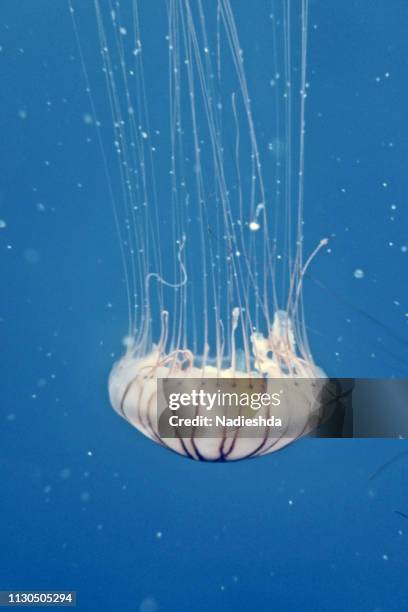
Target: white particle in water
(65, 473)
(254, 226)
(358, 273)
(88, 119)
(148, 604)
(31, 256)
(85, 497)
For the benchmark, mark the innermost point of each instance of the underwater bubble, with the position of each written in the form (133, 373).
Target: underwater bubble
(148, 604)
(254, 226)
(65, 473)
(85, 497)
(31, 256)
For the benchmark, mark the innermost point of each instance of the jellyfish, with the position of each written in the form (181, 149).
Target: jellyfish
(207, 191)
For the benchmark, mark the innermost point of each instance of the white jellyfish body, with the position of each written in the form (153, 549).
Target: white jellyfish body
(134, 393)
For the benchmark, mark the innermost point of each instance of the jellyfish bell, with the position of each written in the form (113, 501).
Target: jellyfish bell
(135, 389)
(212, 252)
